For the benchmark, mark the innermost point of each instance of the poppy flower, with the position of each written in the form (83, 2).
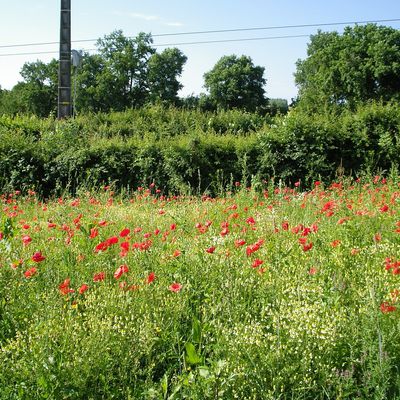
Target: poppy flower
(64, 287)
(307, 246)
(125, 232)
(387, 308)
(99, 276)
(38, 257)
(175, 287)
(26, 239)
(93, 233)
(83, 288)
(150, 278)
(210, 250)
(257, 262)
(176, 253)
(30, 272)
(122, 269)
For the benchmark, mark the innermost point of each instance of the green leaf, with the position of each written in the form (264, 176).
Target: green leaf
(192, 357)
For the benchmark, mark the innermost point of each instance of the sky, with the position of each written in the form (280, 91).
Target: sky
(28, 22)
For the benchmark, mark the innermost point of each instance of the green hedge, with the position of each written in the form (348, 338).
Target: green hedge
(187, 151)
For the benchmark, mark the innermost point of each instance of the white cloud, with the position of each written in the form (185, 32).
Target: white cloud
(148, 17)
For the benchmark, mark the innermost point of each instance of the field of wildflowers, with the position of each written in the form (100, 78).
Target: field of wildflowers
(270, 294)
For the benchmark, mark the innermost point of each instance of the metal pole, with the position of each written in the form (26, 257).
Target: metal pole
(64, 69)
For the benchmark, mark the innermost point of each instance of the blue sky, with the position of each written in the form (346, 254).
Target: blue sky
(24, 21)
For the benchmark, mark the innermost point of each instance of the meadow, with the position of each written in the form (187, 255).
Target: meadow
(273, 292)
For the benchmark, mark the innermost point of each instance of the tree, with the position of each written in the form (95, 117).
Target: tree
(37, 94)
(235, 82)
(164, 70)
(124, 80)
(361, 64)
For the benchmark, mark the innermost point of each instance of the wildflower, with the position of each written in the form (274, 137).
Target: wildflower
(250, 221)
(257, 262)
(175, 287)
(125, 232)
(224, 232)
(387, 308)
(384, 208)
(83, 288)
(30, 272)
(285, 225)
(210, 250)
(64, 287)
(150, 278)
(99, 276)
(101, 247)
(312, 271)
(176, 253)
(122, 269)
(335, 243)
(112, 240)
(93, 233)
(26, 239)
(38, 257)
(307, 246)
(239, 242)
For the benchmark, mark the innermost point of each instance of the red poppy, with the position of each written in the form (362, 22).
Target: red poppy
(175, 287)
(38, 257)
(384, 208)
(124, 232)
(112, 240)
(99, 276)
(210, 250)
(83, 288)
(64, 287)
(30, 272)
(250, 221)
(26, 239)
(307, 246)
(93, 233)
(387, 308)
(150, 278)
(257, 262)
(122, 269)
(239, 242)
(176, 253)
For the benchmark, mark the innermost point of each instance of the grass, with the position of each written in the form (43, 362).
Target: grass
(281, 294)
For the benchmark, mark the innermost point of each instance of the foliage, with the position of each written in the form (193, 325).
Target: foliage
(235, 82)
(351, 68)
(124, 73)
(259, 294)
(192, 151)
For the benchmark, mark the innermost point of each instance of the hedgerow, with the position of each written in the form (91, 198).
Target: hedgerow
(196, 152)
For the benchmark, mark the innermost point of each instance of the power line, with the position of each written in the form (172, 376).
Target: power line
(179, 44)
(221, 31)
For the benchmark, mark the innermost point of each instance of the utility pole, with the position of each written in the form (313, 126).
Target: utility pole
(64, 69)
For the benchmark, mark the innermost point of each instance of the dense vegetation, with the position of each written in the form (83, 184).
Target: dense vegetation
(192, 151)
(281, 294)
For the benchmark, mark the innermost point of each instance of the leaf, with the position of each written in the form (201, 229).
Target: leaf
(192, 357)
(196, 330)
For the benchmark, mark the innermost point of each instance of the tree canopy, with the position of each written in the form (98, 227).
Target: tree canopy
(235, 82)
(359, 65)
(124, 73)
